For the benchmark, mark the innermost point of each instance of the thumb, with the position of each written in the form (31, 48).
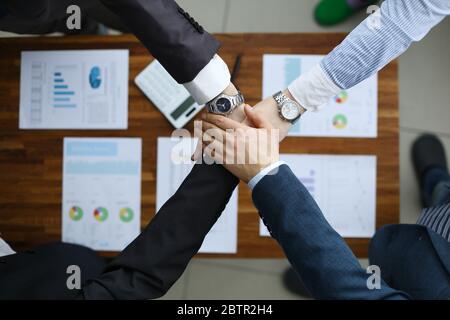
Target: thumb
(257, 120)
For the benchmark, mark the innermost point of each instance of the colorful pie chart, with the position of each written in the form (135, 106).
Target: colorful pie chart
(126, 214)
(75, 213)
(342, 97)
(340, 121)
(100, 214)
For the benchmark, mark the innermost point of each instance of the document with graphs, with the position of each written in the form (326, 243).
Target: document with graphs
(101, 201)
(352, 113)
(172, 168)
(344, 187)
(83, 89)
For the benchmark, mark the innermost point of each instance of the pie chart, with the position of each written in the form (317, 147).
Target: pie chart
(126, 214)
(100, 214)
(75, 213)
(340, 121)
(342, 97)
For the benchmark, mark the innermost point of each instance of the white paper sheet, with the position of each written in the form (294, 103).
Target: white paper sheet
(84, 89)
(344, 187)
(353, 113)
(173, 166)
(101, 205)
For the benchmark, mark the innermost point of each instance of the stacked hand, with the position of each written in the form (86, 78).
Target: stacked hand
(247, 140)
(243, 148)
(266, 109)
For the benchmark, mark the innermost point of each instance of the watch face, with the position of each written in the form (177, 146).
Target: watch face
(223, 105)
(290, 110)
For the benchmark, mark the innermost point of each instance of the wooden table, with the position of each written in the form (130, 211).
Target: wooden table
(31, 161)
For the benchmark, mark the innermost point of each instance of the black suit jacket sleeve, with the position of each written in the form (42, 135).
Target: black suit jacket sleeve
(169, 33)
(150, 265)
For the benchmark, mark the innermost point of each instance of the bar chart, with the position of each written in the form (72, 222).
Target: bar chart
(62, 91)
(84, 89)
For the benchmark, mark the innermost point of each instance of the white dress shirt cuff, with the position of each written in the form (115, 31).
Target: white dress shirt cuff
(264, 172)
(5, 249)
(313, 89)
(210, 82)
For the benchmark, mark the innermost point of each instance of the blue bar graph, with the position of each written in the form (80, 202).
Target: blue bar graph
(292, 70)
(103, 168)
(62, 95)
(64, 105)
(68, 93)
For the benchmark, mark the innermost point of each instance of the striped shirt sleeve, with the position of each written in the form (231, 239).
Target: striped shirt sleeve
(378, 40)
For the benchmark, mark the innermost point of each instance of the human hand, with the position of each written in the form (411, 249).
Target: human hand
(242, 149)
(268, 109)
(237, 114)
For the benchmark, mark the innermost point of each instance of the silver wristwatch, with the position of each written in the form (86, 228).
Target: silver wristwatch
(224, 104)
(288, 109)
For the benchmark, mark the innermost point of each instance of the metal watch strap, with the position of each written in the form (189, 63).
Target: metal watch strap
(280, 98)
(237, 99)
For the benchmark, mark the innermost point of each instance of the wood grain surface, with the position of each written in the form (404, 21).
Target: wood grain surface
(31, 160)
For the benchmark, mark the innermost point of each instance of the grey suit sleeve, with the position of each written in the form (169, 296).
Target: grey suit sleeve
(169, 33)
(320, 256)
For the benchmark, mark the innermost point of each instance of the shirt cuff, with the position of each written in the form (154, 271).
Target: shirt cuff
(5, 249)
(210, 82)
(264, 172)
(313, 89)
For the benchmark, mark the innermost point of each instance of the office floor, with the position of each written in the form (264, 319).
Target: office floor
(424, 107)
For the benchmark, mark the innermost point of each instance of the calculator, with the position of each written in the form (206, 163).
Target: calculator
(170, 97)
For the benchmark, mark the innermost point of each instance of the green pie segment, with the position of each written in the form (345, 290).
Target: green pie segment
(342, 97)
(340, 121)
(76, 213)
(126, 214)
(101, 214)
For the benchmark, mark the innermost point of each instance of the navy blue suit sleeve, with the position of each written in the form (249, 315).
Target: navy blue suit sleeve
(320, 256)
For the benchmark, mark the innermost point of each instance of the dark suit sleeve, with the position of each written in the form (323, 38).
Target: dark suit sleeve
(152, 263)
(175, 39)
(320, 256)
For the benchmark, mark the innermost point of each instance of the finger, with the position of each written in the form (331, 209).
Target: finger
(213, 134)
(214, 150)
(198, 152)
(238, 114)
(222, 122)
(257, 120)
(198, 148)
(213, 130)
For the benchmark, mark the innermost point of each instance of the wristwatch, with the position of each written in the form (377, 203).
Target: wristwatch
(224, 104)
(288, 109)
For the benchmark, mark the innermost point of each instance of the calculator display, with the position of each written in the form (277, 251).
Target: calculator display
(182, 108)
